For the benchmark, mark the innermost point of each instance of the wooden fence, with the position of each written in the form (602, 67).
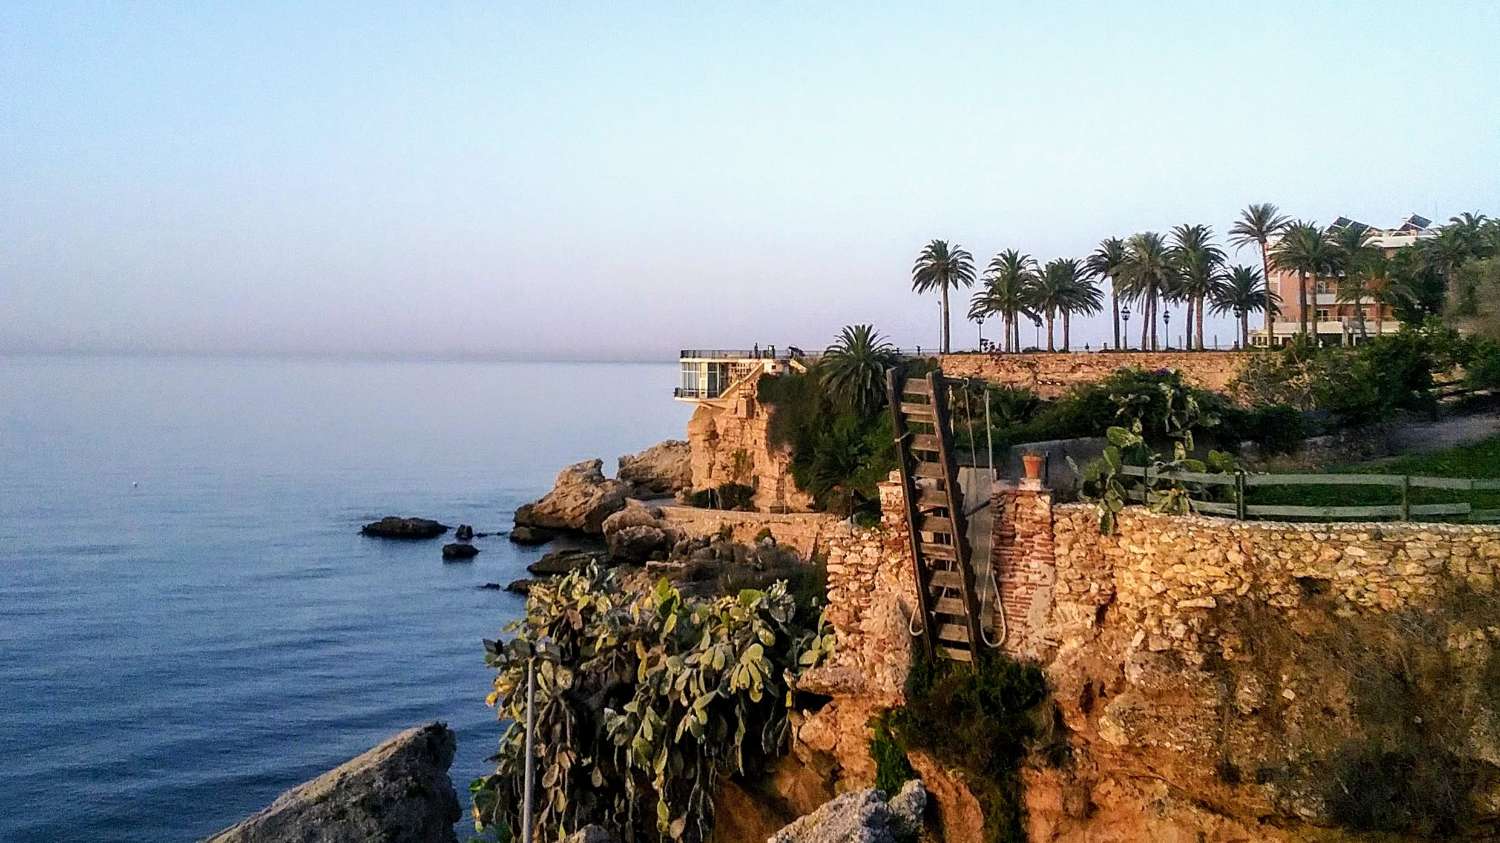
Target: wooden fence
(1238, 506)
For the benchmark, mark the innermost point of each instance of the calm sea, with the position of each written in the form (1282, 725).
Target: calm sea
(189, 620)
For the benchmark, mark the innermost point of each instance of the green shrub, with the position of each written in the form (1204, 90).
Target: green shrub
(728, 496)
(1482, 371)
(983, 720)
(643, 702)
(892, 769)
(1277, 429)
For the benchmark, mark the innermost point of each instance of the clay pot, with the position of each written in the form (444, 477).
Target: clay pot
(1033, 465)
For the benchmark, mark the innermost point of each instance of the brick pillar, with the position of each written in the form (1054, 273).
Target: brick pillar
(1021, 551)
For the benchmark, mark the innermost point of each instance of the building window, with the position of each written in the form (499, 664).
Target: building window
(1322, 314)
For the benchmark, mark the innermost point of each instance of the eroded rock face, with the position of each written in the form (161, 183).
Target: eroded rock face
(580, 500)
(396, 527)
(397, 792)
(662, 469)
(861, 816)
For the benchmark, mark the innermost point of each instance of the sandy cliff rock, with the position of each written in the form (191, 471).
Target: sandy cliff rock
(398, 792)
(662, 469)
(580, 500)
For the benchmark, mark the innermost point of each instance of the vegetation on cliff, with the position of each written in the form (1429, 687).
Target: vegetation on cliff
(642, 702)
(982, 720)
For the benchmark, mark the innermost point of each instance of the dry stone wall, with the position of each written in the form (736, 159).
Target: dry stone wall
(1050, 374)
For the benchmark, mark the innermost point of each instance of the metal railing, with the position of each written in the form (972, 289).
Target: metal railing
(1239, 505)
(780, 353)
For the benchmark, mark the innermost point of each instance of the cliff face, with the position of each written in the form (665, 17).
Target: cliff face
(1227, 681)
(729, 442)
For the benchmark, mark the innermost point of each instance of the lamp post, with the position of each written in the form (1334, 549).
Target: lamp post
(1166, 319)
(1125, 314)
(1037, 321)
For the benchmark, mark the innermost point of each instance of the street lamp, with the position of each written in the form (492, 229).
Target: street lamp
(1166, 327)
(1037, 320)
(1126, 314)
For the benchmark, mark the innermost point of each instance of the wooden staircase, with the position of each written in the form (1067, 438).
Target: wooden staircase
(946, 596)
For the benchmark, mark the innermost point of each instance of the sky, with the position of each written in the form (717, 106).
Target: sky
(618, 181)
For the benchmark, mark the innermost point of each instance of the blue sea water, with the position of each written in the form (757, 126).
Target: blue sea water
(189, 620)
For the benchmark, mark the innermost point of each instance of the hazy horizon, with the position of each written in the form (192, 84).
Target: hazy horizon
(566, 183)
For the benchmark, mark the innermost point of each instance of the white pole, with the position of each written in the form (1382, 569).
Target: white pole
(530, 749)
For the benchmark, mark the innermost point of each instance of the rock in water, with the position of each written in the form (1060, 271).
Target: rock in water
(662, 469)
(579, 501)
(861, 816)
(464, 533)
(396, 527)
(524, 534)
(521, 586)
(397, 792)
(459, 550)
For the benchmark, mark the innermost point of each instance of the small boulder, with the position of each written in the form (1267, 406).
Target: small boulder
(560, 562)
(397, 792)
(521, 586)
(396, 527)
(580, 500)
(861, 816)
(662, 469)
(459, 551)
(635, 545)
(528, 535)
(464, 533)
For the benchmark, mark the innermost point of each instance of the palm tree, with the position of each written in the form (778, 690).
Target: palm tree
(1386, 290)
(1052, 293)
(1352, 254)
(1079, 294)
(1258, 224)
(1009, 291)
(1242, 292)
(1305, 250)
(1106, 262)
(1200, 265)
(939, 268)
(853, 368)
(1151, 276)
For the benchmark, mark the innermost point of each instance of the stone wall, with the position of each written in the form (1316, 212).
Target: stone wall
(1021, 551)
(1050, 374)
(729, 442)
(805, 531)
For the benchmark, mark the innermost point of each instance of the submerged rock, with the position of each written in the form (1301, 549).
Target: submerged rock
(521, 586)
(459, 551)
(489, 586)
(397, 792)
(396, 527)
(662, 469)
(861, 816)
(580, 500)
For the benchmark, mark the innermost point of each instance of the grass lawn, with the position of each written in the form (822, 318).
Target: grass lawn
(1481, 460)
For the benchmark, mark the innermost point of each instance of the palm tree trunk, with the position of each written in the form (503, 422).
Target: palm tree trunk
(1244, 329)
(1359, 306)
(1302, 299)
(1050, 315)
(1067, 333)
(945, 319)
(1155, 309)
(1145, 320)
(1114, 299)
(1265, 276)
(1200, 321)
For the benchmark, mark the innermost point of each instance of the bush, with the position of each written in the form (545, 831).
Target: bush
(644, 701)
(1482, 371)
(892, 769)
(729, 496)
(1277, 429)
(982, 720)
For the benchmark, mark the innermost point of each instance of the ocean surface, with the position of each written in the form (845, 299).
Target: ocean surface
(190, 622)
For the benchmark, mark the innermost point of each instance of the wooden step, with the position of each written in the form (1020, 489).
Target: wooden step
(938, 551)
(950, 606)
(928, 498)
(920, 412)
(916, 386)
(926, 442)
(929, 469)
(954, 632)
(935, 524)
(955, 653)
(946, 579)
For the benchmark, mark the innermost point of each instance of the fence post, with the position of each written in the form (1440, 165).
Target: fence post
(1239, 494)
(1406, 497)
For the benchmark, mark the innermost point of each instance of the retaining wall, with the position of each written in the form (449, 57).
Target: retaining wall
(1050, 374)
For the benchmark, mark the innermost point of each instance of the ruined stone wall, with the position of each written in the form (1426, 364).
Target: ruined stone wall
(1050, 374)
(729, 442)
(804, 531)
